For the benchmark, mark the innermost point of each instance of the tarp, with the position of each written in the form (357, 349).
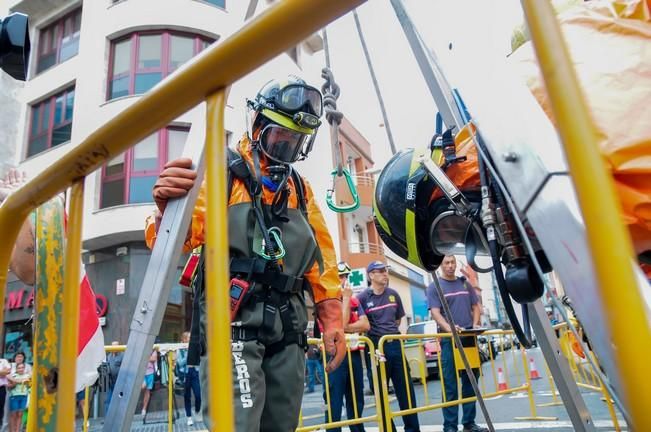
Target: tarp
(610, 45)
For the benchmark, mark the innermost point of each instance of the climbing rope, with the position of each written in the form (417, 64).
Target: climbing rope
(331, 92)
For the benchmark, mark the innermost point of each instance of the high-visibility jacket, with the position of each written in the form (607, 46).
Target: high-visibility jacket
(324, 284)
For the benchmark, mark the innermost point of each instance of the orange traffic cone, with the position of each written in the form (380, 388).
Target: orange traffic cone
(501, 381)
(533, 372)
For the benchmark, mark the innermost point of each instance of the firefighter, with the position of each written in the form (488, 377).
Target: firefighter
(271, 209)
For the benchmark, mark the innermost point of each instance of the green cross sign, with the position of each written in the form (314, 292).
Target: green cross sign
(357, 279)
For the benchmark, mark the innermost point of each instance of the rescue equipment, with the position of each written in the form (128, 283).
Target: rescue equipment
(331, 93)
(261, 276)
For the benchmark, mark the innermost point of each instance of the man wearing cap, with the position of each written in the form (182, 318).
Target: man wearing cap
(383, 307)
(341, 382)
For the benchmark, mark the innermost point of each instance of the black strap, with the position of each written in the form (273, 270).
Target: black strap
(470, 241)
(256, 270)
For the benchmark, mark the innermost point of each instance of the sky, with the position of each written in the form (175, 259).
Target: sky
(474, 30)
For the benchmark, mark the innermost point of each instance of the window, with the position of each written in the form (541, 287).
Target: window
(51, 122)
(59, 41)
(220, 3)
(142, 60)
(129, 177)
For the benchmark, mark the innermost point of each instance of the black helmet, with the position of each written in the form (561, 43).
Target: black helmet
(401, 191)
(420, 231)
(287, 115)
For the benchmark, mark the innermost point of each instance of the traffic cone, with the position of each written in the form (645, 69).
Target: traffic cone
(501, 381)
(533, 372)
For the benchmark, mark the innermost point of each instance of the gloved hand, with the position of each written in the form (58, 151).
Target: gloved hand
(329, 313)
(176, 179)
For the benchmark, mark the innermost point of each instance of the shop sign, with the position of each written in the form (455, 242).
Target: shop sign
(18, 300)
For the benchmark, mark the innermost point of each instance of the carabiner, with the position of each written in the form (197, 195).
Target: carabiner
(280, 251)
(351, 187)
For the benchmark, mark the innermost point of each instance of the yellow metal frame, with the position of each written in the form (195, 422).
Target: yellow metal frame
(377, 417)
(523, 387)
(608, 241)
(206, 78)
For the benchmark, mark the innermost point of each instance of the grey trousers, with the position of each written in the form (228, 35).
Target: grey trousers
(267, 389)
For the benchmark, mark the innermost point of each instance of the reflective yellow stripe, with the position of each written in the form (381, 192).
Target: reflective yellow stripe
(410, 231)
(380, 218)
(285, 121)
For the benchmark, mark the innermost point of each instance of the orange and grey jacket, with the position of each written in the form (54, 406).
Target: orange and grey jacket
(298, 236)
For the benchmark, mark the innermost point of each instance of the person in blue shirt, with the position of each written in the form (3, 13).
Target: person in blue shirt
(383, 308)
(465, 309)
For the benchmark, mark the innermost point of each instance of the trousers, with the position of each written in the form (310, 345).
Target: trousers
(341, 384)
(267, 387)
(451, 413)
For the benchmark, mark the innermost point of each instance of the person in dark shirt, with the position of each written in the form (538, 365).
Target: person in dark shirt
(383, 307)
(466, 311)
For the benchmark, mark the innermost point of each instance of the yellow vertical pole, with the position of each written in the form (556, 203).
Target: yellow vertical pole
(405, 371)
(609, 243)
(552, 387)
(32, 407)
(86, 413)
(170, 391)
(326, 384)
(352, 379)
(218, 314)
(385, 406)
(376, 383)
(65, 407)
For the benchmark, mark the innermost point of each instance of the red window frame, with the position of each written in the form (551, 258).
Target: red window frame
(63, 27)
(165, 68)
(47, 129)
(128, 171)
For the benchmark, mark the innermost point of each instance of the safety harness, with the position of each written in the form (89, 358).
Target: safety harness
(269, 283)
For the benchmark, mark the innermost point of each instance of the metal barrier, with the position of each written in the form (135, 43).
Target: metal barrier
(169, 351)
(524, 384)
(582, 369)
(357, 419)
(207, 78)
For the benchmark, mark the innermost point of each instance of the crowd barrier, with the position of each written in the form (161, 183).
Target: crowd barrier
(504, 374)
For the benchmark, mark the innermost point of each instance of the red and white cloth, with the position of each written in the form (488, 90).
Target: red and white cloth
(90, 349)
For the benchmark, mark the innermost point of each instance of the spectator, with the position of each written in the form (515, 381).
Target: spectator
(465, 311)
(383, 307)
(148, 383)
(19, 358)
(340, 381)
(114, 360)
(5, 370)
(19, 389)
(314, 366)
(189, 376)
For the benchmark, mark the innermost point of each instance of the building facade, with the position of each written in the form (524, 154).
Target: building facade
(92, 59)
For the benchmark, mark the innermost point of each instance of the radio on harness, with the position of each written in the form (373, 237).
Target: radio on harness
(238, 291)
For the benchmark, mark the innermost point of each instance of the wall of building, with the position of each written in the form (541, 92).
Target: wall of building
(12, 112)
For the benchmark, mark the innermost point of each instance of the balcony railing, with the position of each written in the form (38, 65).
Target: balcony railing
(367, 248)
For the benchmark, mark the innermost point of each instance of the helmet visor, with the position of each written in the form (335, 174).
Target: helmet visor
(299, 97)
(281, 144)
(448, 235)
